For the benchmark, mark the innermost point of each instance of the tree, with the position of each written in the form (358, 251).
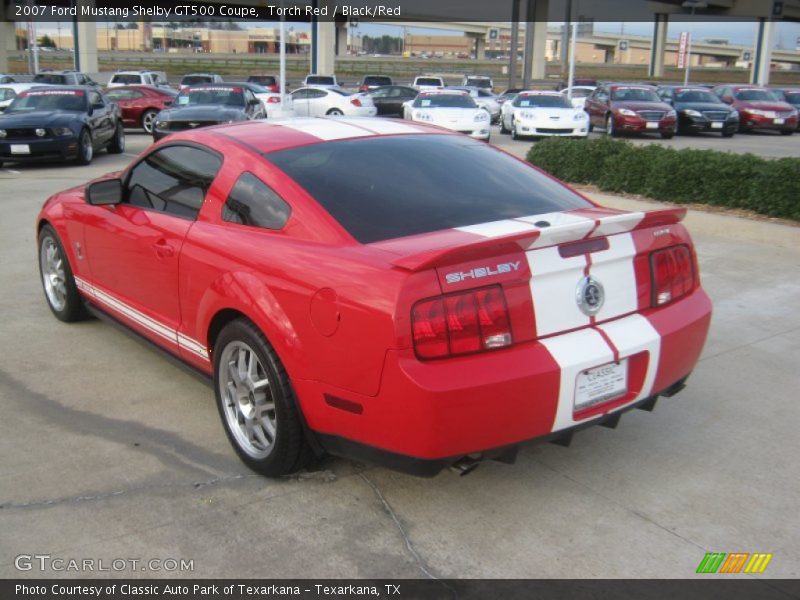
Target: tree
(46, 41)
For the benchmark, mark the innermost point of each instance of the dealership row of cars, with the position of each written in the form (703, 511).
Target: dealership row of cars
(76, 119)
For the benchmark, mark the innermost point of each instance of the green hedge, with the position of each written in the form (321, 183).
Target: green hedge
(769, 187)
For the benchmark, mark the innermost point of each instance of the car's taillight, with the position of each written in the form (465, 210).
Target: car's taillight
(275, 89)
(671, 273)
(461, 323)
(355, 102)
(363, 88)
(274, 100)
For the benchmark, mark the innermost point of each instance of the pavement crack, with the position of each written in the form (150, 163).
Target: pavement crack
(409, 545)
(122, 492)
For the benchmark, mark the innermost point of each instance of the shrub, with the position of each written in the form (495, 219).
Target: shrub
(769, 187)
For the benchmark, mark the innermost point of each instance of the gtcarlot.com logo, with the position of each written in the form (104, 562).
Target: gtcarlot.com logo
(47, 562)
(735, 562)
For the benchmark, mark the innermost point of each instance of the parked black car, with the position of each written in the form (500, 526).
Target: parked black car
(60, 123)
(790, 96)
(204, 105)
(389, 99)
(699, 109)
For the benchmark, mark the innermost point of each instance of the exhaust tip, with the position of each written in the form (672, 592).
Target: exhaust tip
(464, 466)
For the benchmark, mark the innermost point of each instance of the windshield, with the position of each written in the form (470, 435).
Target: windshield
(792, 97)
(756, 95)
(543, 101)
(49, 100)
(126, 79)
(445, 101)
(262, 79)
(50, 78)
(377, 80)
(6, 94)
(320, 80)
(631, 94)
(429, 81)
(195, 79)
(479, 185)
(479, 82)
(229, 96)
(696, 96)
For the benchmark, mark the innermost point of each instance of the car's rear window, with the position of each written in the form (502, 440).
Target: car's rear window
(401, 189)
(51, 79)
(126, 79)
(195, 79)
(262, 79)
(320, 80)
(428, 81)
(377, 80)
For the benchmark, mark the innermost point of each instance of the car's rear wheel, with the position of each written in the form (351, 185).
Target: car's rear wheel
(668, 135)
(611, 131)
(728, 134)
(148, 119)
(256, 402)
(58, 282)
(117, 144)
(85, 148)
(334, 112)
(787, 132)
(503, 128)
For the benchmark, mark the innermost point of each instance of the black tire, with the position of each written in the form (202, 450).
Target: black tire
(290, 450)
(787, 132)
(503, 129)
(334, 112)
(117, 143)
(85, 148)
(667, 136)
(611, 131)
(728, 134)
(590, 127)
(73, 308)
(148, 120)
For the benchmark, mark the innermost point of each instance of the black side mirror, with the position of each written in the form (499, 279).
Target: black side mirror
(105, 192)
(168, 103)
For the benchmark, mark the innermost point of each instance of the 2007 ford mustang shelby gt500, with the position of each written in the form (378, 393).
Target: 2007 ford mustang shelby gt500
(381, 290)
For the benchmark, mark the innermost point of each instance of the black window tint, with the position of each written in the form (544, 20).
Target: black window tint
(252, 202)
(401, 188)
(318, 94)
(173, 180)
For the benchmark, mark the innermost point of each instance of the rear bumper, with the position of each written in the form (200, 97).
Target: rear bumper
(442, 410)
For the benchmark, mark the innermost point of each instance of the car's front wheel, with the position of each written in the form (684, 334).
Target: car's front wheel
(148, 119)
(334, 112)
(256, 402)
(787, 132)
(611, 131)
(58, 282)
(85, 148)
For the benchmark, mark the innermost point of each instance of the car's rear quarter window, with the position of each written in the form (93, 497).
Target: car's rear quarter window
(381, 188)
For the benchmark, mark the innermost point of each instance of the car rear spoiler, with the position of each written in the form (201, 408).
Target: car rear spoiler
(534, 237)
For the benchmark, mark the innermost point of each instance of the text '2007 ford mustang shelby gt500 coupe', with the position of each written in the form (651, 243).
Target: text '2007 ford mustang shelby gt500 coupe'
(351, 290)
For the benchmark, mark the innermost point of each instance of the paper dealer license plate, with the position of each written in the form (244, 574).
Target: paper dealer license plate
(597, 385)
(652, 125)
(20, 149)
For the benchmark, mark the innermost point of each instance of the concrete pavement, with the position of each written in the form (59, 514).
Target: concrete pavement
(110, 452)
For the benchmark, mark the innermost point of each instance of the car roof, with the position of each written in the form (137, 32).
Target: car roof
(264, 136)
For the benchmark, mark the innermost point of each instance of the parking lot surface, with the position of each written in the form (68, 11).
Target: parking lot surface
(111, 452)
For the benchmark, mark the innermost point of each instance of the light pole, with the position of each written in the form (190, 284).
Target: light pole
(694, 5)
(571, 81)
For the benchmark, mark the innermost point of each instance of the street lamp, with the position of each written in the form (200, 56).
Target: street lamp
(693, 5)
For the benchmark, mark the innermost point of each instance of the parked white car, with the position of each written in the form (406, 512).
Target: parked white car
(536, 113)
(321, 81)
(454, 110)
(9, 91)
(154, 78)
(483, 98)
(579, 94)
(479, 81)
(270, 101)
(426, 83)
(318, 102)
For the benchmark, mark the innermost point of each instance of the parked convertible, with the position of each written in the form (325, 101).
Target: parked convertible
(60, 123)
(349, 288)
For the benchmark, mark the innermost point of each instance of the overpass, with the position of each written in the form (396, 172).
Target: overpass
(329, 38)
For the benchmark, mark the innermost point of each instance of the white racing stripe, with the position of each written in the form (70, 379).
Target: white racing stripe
(174, 337)
(618, 223)
(563, 227)
(498, 228)
(613, 268)
(554, 282)
(385, 126)
(586, 349)
(326, 129)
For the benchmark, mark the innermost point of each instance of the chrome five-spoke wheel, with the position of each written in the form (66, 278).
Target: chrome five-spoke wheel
(54, 277)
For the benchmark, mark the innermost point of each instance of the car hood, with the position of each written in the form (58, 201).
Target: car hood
(202, 112)
(641, 105)
(764, 105)
(38, 118)
(547, 112)
(717, 106)
(449, 114)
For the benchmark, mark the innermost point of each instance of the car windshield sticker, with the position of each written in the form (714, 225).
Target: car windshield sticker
(425, 102)
(54, 93)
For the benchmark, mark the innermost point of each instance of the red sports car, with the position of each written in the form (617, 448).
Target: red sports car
(141, 103)
(349, 289)
(759, 108)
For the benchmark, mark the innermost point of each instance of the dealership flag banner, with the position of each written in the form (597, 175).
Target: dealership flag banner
(683, 47)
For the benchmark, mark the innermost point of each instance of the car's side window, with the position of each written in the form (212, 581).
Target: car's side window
(173, 180)
(300, 95)
(316, 94)
(252, 202)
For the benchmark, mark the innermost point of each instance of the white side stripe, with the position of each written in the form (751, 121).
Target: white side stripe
(632, 335)
(170, 335)
(325, 129)
(554, 281)
(614, 269)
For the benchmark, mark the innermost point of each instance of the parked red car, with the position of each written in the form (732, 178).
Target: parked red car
(340, 312)
(628, 108)
(141, 103)
(759, 108)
